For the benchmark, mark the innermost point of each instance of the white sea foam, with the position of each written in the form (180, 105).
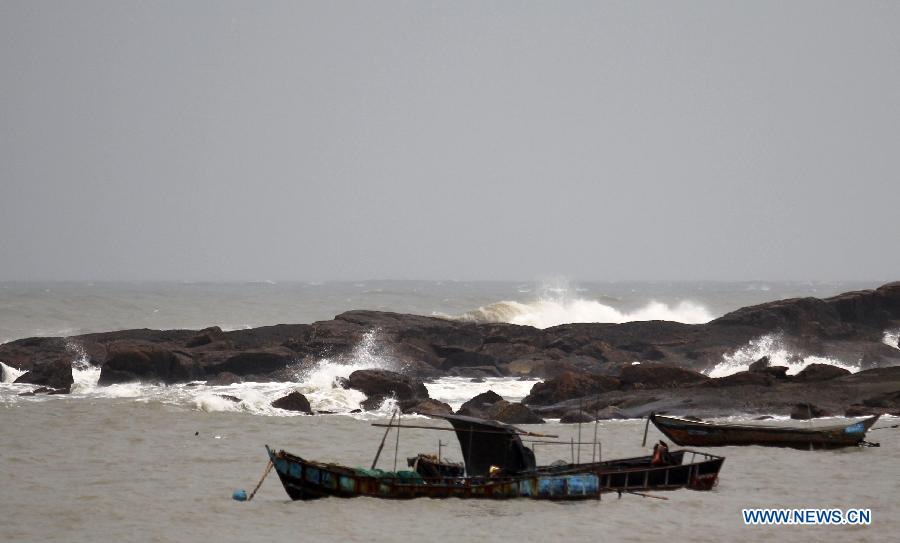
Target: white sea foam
(9, 373)
(771, 345)
(457, 390)
(892, 337)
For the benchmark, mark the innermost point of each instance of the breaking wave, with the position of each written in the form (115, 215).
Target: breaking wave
(771, 345)
(558, 303)
(9, 373)
(320, 384)
(892, 338)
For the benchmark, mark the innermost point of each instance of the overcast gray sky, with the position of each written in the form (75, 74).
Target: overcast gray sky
(469, 140)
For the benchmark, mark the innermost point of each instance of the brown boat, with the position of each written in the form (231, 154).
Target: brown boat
(496, 465)
(709, 434)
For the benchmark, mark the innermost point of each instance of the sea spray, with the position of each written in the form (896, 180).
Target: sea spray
(9, 374)
(457, 390)
(556, 305)
(85, 375)
(771, 345)
(892, 338)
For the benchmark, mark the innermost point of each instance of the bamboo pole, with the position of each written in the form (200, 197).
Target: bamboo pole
(383, 438)
(397, 444)
(646, 427)
(527, 434)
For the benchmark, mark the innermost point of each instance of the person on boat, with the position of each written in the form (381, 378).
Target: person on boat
(661, 455)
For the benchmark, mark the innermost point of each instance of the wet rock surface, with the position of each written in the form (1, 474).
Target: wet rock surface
(295, 401)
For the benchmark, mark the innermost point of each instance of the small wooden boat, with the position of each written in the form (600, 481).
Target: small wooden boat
(496, 466)
(308, 480)
(708, 434)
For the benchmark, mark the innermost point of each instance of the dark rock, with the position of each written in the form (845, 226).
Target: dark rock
(468, 359)
(513, 413)
(55, 374)
(504, 352)
(224, 379)
(256, 362)
(805, 411)
(475, 372)
(430, 407)
(146, 363)
(611, 412)
(778, 372)
(341, 382)
(234, 399)
(206, 337)
(373, 403)
(760, 364)
(758, 378)
(638, 376)
(764, 417)
(294, 401)
(857, 410)
(479, 405)
(888, 400)
(574, 417)
(820, 372)
(376, 382)
(567, 386)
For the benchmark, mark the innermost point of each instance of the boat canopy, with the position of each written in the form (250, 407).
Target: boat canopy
(487, 443)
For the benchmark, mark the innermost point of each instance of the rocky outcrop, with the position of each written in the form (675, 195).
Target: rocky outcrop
(480, 405)
(295, 401)
(577, 360)
(147, 362)
(759, 365)
(430, 407)
(820, 372)
(658, 376)
(569, 385)
(513, 413)
(377, 382)
(56, 374)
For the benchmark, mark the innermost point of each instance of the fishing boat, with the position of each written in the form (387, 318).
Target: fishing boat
(708, 434)
(497, 465)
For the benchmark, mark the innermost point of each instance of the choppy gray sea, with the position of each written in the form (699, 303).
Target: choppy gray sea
(149, 463)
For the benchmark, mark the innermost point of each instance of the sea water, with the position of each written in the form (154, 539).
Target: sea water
(139, 462)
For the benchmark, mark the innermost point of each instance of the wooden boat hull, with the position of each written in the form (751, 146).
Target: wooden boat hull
(704, 434)
(632, 474)
(308, 480)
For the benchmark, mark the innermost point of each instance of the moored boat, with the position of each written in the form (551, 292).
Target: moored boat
(497, 465)
(709, 434)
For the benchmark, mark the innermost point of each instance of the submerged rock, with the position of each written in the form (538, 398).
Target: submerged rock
(224, 379)
(576, 416)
